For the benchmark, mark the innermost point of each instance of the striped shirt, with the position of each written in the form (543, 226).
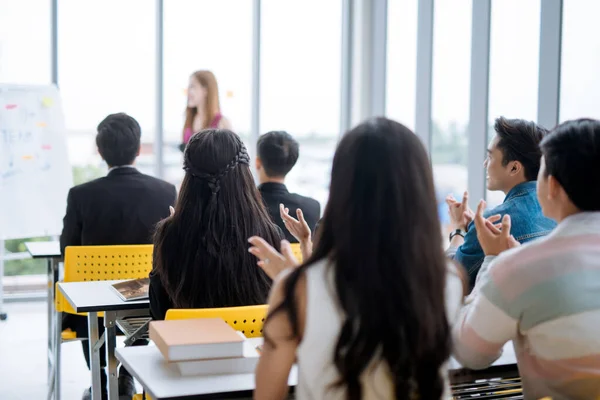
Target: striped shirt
(545, 297)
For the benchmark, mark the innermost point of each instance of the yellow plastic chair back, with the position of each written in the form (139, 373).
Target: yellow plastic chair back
(297, 251)
(248, 319)
(103, 263)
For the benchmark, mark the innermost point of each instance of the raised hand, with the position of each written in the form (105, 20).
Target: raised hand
(297, 227)
(494, 238)
(269, 259)
(460, 213)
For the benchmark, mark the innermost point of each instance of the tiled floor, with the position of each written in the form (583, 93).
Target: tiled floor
(23, 365)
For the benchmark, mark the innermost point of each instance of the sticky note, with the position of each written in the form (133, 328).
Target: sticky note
(11, 106)
(47, 102)
(184, 91)
(27, 157)
(41, 124)
(229, 94)
(46, 147)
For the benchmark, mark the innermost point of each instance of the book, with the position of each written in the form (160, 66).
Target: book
(222, 366)
(135, 289)
(196, 339)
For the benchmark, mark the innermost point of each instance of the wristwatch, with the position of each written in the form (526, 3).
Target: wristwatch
(458, 232)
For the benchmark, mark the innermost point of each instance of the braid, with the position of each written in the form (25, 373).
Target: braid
(214, 180)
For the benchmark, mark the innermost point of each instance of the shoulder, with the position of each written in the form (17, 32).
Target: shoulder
(83, 188)
(158, 182)
(513, 264)
(306, 202)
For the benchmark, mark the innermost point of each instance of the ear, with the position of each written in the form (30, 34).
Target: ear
(139, 151)
(515, 167)
(258, 163)
(554, 188)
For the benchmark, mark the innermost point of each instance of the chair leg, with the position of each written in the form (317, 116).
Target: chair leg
(57, 353)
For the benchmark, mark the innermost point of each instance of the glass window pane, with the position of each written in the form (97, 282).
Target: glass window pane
(450, 99)
(106, 65)
(220, 41)
(402, 61)
(25, 42)
(579, 83)
(514, 66)
(300, 84)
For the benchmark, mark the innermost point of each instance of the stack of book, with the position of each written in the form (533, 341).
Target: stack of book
(204, 346)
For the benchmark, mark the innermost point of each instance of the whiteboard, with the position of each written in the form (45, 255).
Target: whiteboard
(35, 173)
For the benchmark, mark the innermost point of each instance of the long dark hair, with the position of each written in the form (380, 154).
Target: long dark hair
(201, 252)
(381, 235)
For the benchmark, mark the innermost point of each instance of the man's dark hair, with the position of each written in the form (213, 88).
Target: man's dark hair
(278, 151)
(572, 156)
(118, 139)
(519, 140)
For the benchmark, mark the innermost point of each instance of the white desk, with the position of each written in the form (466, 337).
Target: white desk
(94, 297)
(162, 380)
(51, 252)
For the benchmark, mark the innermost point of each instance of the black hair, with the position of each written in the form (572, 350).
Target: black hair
(118, 139)
(572, 156)
(389, 281)
(201, 252)
(519, 140)
(278, 151)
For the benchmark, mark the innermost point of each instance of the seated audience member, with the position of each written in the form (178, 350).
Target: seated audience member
(544, 296)
(512, 165)
(201, 254)
(277, 153)
(367, 316)
(120, 208)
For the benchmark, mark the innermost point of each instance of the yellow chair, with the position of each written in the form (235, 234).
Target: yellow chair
(248, 319)
(95, 263)
(103, 263)
(297, 251)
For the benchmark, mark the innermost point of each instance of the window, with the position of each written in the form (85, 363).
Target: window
(106, 64)
(300, 84)
(402, 61)
(514, 64)
(580, 86)
(25, 24)
(450, 99)
(198, 35)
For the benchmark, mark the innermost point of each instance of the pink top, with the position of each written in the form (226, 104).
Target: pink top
(187, 133)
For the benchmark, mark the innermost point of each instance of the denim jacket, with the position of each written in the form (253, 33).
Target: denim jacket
(528, 223)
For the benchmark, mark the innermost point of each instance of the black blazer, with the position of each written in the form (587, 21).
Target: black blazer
(274, 194)
(120, 208)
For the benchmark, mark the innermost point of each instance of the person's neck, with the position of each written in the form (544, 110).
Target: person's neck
(268, 179)
(507, 191)
(565, 212)
(121, 166)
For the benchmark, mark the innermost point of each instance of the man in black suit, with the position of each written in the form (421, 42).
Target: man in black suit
(120, 208)
(277, 153)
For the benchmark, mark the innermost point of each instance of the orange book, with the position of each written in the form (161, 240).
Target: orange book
(196, 339)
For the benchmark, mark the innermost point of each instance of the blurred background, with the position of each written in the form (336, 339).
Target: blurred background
(444, 68)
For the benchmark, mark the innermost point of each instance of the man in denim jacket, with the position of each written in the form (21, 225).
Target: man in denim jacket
(512, 165)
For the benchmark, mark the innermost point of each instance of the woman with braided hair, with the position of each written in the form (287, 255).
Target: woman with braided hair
(201, 256)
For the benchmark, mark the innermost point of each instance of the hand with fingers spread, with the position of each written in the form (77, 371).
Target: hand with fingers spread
(493, 237)
(297, 227)
(269, 259)
(460, 213)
